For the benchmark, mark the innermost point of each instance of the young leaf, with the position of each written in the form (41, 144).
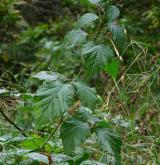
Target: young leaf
(55, 99)
(49, 76)
(86, 94)
(34, 142)
(109, 142)
(96, 57)
(73, 133)
(75, 37)
(86, 19)
(118, 35)
(113, 13)
(112, 68)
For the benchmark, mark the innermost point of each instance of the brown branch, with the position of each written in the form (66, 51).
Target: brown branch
(12, 123)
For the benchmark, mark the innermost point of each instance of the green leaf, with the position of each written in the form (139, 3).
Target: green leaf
(61, 158)
(118, 35)
(113, 13)
(73, 133)
(49, 76)
(80, 157)
(95, 2)
(96, 57)
(109, 142)
(87, 115)
(112, 68)
(86, 19)
(8, 155)
(34, 143)
(54, 99)
(75, 37)
(87, 95)
(38, 157)
(91, 162)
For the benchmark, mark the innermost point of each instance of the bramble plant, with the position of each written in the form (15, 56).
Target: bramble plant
(73, 102)
(69, 106)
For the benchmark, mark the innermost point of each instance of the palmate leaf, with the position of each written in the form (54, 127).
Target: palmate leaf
(86, 19)
(87, 95)
(113, 13)
(75, 37)
(73, 133)
(96, 57)
(55, 99)
(110, 143)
